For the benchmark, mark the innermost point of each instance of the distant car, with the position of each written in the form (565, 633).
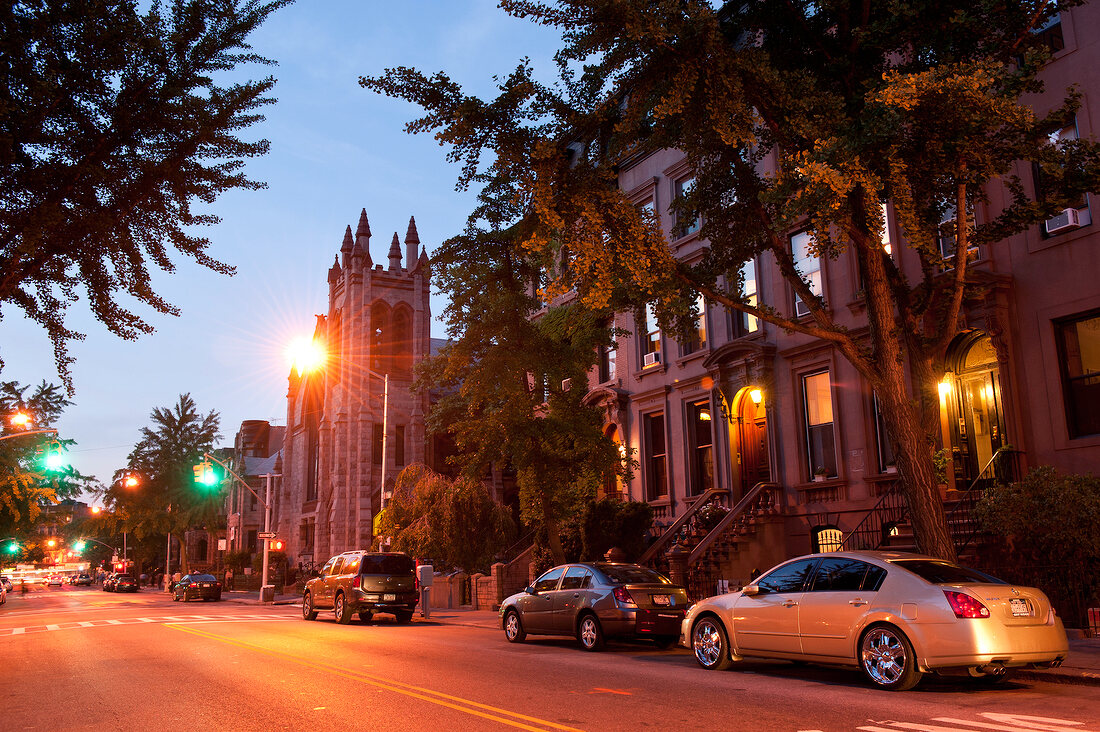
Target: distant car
(6, 583)
(110, 580)
(54, 580)
(895, 615)
(365, 583)
(596, 601)
(3, 595)
(197, 587)
(124, 583)
(82, 579)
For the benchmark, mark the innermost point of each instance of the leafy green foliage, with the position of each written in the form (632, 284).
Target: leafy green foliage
(611, 522)
(808, 115)
(112, 128)
(238, 560)
(455, 523)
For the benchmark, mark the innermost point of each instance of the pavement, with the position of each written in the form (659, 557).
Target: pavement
(1082, 665)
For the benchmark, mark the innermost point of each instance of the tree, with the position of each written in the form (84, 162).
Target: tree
(810, 115)
(456, 523)
(26, 483)
(112, 129)
(502, 379)
(167, 500)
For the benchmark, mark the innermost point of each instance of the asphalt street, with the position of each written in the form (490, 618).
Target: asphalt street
(82, 659)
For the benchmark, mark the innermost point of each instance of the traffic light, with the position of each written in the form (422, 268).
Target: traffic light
(12, 548)
(79, 545)
(54, 460)
(205, 475)
(275, 545)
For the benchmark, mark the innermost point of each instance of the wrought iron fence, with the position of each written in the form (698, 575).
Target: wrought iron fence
(1063, 583)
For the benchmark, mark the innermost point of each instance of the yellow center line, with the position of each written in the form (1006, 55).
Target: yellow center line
(429, 695)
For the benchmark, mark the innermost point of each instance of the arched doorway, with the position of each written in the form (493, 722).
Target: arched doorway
(612, 485)
(750, 433)
(975, 414)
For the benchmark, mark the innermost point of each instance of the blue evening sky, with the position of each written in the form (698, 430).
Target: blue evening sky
(335, 149)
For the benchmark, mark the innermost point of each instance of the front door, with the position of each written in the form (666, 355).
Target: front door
(768, 620)
(536, 610)
(833, 606)
(752, 439)
(975, 414)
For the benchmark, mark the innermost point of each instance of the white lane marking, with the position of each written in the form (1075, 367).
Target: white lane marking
(18, 631)
(1012, 723)
(53, 627)
(114, 622)
(189, 619)
(1049, 724)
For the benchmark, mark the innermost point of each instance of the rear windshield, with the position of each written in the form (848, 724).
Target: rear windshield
(387, 564)
(939, 572)
(629, 574)
(203, 578)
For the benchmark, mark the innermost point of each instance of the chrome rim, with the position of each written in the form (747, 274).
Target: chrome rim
(339, 609)
(307, 605)
(588, 632)
(511, 626)
(706, 641)
(884, 657)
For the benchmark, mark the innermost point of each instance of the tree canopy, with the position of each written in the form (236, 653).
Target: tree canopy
(808, 115)
(117, 125)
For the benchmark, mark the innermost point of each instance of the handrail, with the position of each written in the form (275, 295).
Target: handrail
(664, 539)
(896, 512)
(966, 501)
(519, 547)
(748, 500)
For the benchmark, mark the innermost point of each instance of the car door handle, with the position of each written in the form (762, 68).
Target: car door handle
(857, 602)
(789, 603)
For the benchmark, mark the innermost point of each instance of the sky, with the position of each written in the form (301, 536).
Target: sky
(336, 148)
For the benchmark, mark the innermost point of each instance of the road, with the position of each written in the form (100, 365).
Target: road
(82, 659)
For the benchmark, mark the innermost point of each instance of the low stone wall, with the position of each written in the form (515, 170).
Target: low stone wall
(483, 591)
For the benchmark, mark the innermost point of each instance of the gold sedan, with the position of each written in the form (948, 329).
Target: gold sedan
(895, 615)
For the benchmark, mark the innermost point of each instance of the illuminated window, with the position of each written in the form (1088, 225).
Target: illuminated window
(702, 446)
(818, 413)
(830, 539)
(656, 475)
(685, 223)
(808, 265)
(1079, 357)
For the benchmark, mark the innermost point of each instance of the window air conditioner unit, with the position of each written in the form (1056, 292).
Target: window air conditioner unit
(1068, 219)
(652, 359)
(566, 384)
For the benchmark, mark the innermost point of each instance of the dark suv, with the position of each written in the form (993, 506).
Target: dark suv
(365, 583)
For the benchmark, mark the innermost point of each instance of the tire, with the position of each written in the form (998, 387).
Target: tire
(366, 616)
(341, 609)
(404, 617)
(513, 627)
(710, 644)
(887, 658)
(664, 642)
(308, 611)
(175, 597)
(590, 634)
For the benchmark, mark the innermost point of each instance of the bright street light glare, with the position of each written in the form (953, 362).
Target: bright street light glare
(305, 354)
(20, 419)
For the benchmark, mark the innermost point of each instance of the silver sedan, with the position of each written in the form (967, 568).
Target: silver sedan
(896, 616)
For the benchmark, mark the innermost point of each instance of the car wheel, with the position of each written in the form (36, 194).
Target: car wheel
(403, 616)
(341, 610)
(308, 611)
(886, 657)
(366, 616)
(710, 644)
(513, 627)
(175, 597)
(664, 642)
(590, 634)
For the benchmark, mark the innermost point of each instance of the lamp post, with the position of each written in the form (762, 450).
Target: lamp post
(385, 430)
(267, 510)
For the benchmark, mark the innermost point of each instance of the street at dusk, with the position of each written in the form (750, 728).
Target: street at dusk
(144, 662)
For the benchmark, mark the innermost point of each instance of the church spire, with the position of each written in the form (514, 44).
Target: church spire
(412, 238)
(345, 248)
(362, 239)
(395, 253)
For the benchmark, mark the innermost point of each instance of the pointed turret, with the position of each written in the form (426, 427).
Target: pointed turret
(345, 248)
(395, 253)
(362, 239)
(422, 262)
(335, 270)
(412, 239)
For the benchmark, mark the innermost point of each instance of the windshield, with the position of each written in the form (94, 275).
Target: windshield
(632, 574)
(203, 578)
(387, 564)
(939, 572)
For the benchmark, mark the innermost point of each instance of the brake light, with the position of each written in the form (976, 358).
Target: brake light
(357, 581)
(623, 595)
(966, 606)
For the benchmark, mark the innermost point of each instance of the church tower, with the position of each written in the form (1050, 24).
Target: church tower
(357, 416)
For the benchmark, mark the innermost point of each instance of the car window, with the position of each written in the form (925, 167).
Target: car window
(204, 578)
(327, 570)
(351, 565)
(338, 567)
(631, 574)
(576, 578)
(939, 572)
(788, 578)
(549, 580)
(874, 577)
(839, 575)
(392, 564)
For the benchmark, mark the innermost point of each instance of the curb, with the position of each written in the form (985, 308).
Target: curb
(1085, 678)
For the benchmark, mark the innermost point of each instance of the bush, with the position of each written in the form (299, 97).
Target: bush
(611, 522)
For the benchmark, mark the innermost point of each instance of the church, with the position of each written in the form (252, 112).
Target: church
(354, 423)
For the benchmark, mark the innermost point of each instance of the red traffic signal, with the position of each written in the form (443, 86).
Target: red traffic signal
(275, 545)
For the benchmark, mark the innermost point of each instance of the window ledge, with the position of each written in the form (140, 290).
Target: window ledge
(694, 355)
(827, 483)
(660, 368)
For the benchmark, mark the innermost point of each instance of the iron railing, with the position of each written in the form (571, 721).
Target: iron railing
(663, 542)
(873, 531)
(961, 522)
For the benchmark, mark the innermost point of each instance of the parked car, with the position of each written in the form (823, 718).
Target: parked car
(197, 587)
(110, 581)
(3, 595)
(596, 601)
(896, 616)
(125, 583)
(5, 582)
(365, 583)
(82, 579)
(54, 580)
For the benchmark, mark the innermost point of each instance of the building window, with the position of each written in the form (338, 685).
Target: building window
(829, 539)
(698, 339)
(685, 223)
(820, 441)
(305, 539)
(376, 451)
(1050, 34)
(1078, 213)
(253, 535)
(251, 500)
(1079, 358)
(607, 356)
(947, 233)
(656, 473)
(702, 446)
(808, 265)
(745, 324)
(651, 344)
(399, 445)
(882, 439)
(887, 242)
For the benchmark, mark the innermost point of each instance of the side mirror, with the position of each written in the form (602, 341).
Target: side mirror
(751, 590)
(531, 590)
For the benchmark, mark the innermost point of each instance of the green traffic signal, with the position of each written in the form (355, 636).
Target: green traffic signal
(205, 475)
(53, 461)
(13, 548)
(79, 546)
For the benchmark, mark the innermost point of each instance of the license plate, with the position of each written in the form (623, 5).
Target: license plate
(663, 600)
(1019, 607)
(207, 584)
(389, 598)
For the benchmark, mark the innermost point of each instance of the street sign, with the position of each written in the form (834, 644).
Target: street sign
(266, 535)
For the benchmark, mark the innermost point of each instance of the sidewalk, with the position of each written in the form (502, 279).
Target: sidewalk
(1082, 665)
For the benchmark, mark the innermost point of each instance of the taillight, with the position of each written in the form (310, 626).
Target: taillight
(357, 581)
(622, 595)
(966, 606)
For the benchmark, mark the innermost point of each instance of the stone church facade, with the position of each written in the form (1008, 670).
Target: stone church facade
(335, 449)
